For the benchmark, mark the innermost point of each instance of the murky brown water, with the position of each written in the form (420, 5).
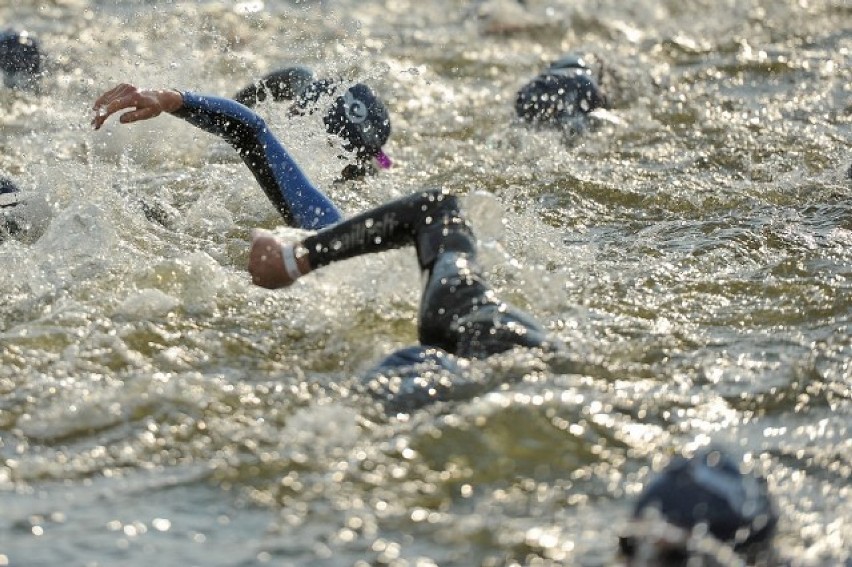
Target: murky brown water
(694, 250)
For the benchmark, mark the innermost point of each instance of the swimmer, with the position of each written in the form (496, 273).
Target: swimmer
(563, 95)
(20, 59)
(460, 316)
(359, 117)
(693, 498)
(299, 202)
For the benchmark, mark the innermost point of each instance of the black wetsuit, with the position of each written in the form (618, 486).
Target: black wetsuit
(460, 315)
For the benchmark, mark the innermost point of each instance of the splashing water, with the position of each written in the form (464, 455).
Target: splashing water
(693, 248)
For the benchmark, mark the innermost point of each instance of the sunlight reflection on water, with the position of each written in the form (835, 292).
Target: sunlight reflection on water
(692, 250)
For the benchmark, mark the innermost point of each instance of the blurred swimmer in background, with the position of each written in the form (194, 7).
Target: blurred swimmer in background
(703, 511)
(563, 96)
(21, 217)
(9, 201)
(21, 68)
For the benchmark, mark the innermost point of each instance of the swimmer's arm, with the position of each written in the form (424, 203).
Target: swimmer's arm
(275, 264)
(300, 203)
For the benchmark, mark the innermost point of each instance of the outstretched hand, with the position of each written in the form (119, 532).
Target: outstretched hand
(145, 104)
(267, 264)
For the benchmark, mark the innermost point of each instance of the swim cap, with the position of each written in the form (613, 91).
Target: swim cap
(565, 90)
(20, 59)
(362, 120)
(9, 193)
(709, 489)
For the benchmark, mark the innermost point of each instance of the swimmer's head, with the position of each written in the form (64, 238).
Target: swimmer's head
(706, 495)
(362, 120)
(357, 115)
(9, 193)
(566, 90)
(20, 58)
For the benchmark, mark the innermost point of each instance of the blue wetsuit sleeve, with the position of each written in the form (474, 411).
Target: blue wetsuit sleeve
(297, 199)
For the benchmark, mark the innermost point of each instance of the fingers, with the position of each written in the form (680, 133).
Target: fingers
(110, 102)
(112, 94)
(139, 114)
(145, 103)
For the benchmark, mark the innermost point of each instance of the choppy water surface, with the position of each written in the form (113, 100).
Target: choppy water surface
(694, 250)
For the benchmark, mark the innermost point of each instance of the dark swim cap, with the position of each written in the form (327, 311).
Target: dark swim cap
(9, 193)
(362, 120)
(709, 489)
(20, 58)
(565, 90)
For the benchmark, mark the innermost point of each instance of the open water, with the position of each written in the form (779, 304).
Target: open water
(694, 250)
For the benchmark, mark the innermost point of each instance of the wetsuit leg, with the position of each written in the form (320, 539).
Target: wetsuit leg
(300, 203)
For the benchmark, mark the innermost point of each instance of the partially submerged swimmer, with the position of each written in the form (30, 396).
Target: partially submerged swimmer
(357, 115)
(23, 216)
(703, 511)
(563, 95)
(461, 318)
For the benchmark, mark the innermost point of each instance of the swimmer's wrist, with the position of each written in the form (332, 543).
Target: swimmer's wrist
(171, 100)
(295, 259)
